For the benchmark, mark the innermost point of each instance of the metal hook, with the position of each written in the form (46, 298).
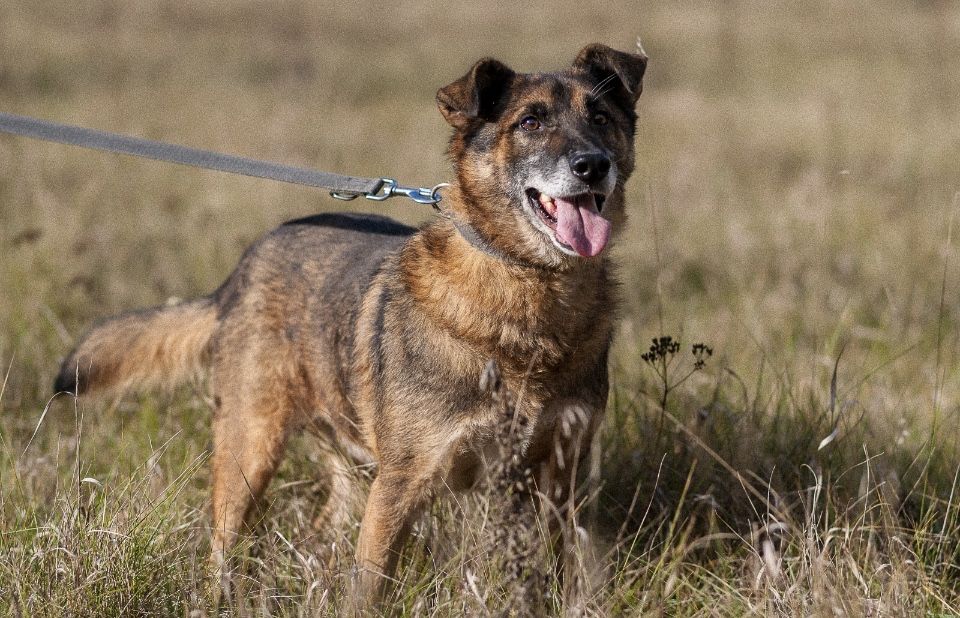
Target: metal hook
(346, 197)
(390, 188)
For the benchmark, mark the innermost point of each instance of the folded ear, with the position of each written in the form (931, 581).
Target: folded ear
(475, 95)
(614, 69)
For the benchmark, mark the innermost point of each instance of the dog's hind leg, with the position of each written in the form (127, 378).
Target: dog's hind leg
(249, 433)
(341, 499)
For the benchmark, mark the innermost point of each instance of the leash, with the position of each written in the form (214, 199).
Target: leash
(341, 187)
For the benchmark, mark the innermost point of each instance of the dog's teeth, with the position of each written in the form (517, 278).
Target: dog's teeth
(548, 204)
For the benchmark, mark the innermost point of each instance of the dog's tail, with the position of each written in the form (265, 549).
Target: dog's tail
(159, 347)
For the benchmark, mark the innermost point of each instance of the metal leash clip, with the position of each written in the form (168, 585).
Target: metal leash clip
(390, 188)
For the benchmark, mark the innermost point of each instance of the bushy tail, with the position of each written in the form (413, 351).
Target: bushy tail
(163, 346)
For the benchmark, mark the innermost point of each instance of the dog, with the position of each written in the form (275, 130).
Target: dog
(373, 334)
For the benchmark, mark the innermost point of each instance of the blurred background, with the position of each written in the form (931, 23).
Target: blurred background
(795, 193)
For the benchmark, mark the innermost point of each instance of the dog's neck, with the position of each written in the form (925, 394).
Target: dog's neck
(484, 236)
(470, 235)
(495, 305)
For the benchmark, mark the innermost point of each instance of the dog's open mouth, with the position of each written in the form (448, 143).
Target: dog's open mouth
(575, 220)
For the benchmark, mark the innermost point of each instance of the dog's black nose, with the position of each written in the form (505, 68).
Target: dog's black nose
(590, 167)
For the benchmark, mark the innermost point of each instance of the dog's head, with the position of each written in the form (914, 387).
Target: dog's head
(541, 159)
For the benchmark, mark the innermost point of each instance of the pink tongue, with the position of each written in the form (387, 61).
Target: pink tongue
(580, 225)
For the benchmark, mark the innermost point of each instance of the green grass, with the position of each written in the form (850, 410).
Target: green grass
(793, 207)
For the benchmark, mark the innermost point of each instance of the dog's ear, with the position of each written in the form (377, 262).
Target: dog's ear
(478, 94)
(613, 70)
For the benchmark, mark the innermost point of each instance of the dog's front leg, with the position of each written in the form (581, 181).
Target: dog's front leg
(570, 444)
(395, 499)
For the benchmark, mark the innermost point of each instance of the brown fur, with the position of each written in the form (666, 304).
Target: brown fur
(159, 347)
(374, 335)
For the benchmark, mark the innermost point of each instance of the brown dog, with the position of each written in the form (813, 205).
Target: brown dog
(375, 334)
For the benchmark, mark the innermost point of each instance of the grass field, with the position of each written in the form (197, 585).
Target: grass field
(793, 207)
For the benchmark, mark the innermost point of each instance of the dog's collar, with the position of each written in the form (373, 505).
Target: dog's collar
(475, 240)
(469, 234)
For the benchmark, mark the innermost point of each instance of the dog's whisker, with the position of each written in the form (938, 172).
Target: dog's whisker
(603, 92)
(594, 93)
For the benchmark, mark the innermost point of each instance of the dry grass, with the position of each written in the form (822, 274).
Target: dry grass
(795, 197)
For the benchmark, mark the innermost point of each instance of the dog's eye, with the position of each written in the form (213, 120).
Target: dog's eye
(530, 123)
(600, 118)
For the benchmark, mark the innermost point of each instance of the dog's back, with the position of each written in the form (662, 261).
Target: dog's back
(306, 276)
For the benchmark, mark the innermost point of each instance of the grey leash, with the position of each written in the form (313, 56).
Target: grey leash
(340, 187)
